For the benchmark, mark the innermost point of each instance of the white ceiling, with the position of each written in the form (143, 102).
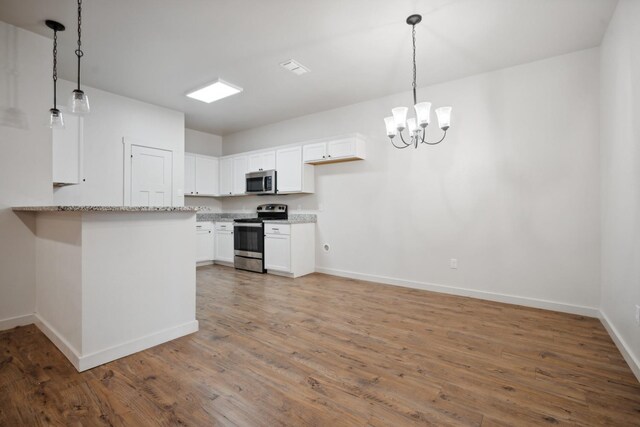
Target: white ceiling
(157, 50)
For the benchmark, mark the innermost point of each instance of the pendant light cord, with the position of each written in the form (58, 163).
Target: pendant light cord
(55, 67)
(413, 35)
(79, 52)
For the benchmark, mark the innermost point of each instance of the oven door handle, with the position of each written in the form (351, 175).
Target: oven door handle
(256, 225)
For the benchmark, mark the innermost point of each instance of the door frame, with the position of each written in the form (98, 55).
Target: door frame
(128, 143)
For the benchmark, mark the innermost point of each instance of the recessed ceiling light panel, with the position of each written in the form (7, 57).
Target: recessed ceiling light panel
(295, 67)
(214, 91)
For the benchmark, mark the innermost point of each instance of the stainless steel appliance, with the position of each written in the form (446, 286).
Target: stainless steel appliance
(248, 240)
(263, 182)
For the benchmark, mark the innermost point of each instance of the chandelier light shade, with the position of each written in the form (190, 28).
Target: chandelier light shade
(416, 126)
(56, 120)
(79, 102)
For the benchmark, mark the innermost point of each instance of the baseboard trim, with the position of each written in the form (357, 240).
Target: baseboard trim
(490, 296)
(625, 350)
(125, 349)
(12, 322)
(58, 340)
(82, 363)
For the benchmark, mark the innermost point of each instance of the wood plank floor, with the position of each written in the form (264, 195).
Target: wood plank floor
(327, 351)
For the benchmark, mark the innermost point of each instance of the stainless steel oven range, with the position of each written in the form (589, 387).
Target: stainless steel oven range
(248, 240)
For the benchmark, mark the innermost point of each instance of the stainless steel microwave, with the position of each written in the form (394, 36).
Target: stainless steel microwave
(263, 182)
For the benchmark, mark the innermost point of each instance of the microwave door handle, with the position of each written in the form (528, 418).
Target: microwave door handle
(264, 183)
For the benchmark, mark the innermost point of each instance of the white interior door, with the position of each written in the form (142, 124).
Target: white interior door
(151, 171)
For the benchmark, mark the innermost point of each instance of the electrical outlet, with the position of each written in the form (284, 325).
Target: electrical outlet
(453, 263)
(638, 315)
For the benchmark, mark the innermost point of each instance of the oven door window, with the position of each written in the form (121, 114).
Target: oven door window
(255, 185)
(248, 239)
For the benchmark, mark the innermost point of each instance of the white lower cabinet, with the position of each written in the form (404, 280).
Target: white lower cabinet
(204, 241)
(224, 242)
(289, 249)
(277, 252)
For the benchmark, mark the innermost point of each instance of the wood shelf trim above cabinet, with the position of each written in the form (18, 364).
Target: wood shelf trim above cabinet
(331, 160)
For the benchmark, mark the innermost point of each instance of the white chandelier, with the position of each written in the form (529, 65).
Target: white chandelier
(417, 126)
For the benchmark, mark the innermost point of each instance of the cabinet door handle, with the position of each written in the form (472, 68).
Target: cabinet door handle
(209, 231)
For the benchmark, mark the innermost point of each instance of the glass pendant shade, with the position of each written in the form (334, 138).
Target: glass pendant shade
(390, 125)
(444, 117)
(412, 125)
(56, 121)
(423, 113)
(79, 102)
(400, 117)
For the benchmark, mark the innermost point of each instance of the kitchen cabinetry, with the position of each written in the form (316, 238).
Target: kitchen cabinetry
(341, 149)
(262, 161)
(224, 242)
(201, 176)
(293, 175)
(67, 152)
(205, 245)
(240, 165)
(289, 249)
(226, 176)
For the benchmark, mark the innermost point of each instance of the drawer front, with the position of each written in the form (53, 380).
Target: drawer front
(204, 225)
(224, 226)
(277, 228)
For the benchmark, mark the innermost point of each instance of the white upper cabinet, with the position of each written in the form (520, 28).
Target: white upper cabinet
(343, 147)
(293, 175)
(262, 161)
(315, 152)
(340, 149)
(226, 176)
(189, 174)
(207, 176)
(67, 152)
(240, 166)
(200, 175)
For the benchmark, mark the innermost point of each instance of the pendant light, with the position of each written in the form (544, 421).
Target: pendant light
(56, 121)
(417, 126)
(79, 101)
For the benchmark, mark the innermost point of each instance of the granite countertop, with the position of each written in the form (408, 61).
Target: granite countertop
(105, 209)
(220, 217)
(295, 219)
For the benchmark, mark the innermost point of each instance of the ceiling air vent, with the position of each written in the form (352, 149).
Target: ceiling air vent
(294, 67)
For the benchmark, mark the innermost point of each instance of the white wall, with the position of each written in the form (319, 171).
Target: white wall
(113, 118)
(202, 143)
(25, 164)
(26, 156)
(210, 145)
(513, 193)
(620, 137)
